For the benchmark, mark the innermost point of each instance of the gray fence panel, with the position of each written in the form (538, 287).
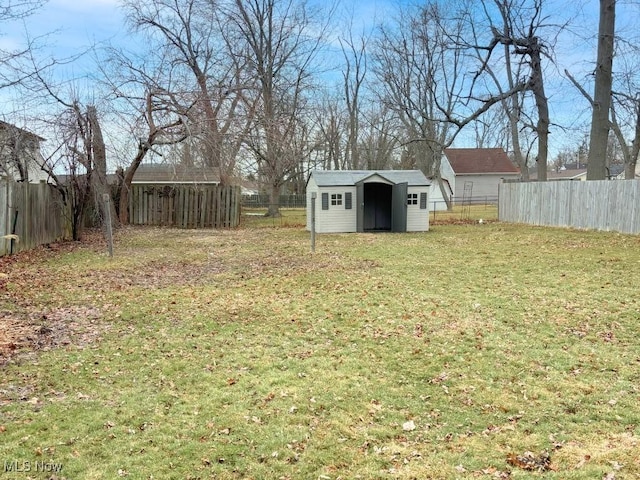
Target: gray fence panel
(595, 205)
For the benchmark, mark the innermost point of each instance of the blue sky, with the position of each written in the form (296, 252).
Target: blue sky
(72, 26)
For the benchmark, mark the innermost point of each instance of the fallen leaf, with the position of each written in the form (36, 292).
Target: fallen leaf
(529, 461)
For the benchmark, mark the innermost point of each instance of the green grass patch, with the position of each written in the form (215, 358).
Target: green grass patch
(242, 355)
(289, 217)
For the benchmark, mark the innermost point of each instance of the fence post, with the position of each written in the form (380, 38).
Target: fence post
(13, 231)
(314, 195)
(107, 210)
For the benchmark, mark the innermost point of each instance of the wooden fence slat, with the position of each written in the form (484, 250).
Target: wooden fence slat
(42, 218)
(41, 215)
(185, 206)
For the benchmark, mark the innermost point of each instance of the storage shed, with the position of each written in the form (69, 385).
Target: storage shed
(368, 201)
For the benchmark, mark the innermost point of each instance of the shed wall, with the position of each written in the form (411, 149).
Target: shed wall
(418, 218)
(337, 218)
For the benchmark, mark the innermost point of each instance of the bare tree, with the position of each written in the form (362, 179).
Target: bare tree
(518, 25)
(422, 65)
(193, 34)
(596, 168)
(153, 115)
(354, 74)
(379, 139)
(280, 40)
(331, 127)
(83, 139)
(11, 74)
(170, 132)
(70, 155)
(626, 105)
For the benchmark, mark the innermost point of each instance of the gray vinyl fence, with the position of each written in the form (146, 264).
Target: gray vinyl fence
(34, 212)
(595, 205)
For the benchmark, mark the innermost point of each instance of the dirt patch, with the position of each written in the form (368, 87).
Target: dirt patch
(21, 335)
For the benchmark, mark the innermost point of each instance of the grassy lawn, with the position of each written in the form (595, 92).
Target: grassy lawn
(471, 351)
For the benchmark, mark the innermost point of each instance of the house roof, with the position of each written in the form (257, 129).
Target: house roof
(338, 178)
(168, 173)
(480, 161)
(615, 170)
(568, 174)
(577, 173)
(9, 127)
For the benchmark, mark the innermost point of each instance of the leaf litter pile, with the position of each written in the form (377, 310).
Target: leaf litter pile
(459, 353)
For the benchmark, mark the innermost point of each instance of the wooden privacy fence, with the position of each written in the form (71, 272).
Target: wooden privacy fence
(598, 205)
(34, 212)
(202, 206)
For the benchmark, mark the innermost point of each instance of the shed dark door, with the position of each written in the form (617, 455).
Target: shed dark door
(360, 207)
(399, 207)
(376, 213)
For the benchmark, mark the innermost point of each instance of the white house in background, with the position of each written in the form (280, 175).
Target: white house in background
(20, 157)
(481, 169)
(368, 201)
(436, 200)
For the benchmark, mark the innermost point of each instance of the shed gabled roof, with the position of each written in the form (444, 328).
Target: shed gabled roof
(480, 161)
(341, 178)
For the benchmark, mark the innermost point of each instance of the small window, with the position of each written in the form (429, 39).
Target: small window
(325, 201)
(336, 199)
(412, 199)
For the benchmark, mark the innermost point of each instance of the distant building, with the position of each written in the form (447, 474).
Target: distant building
(578, 174)
(169, 174)
(481, 168)
(20, 157)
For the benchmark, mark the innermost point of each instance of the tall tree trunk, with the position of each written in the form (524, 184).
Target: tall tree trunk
(99, 183)
(123, 206)
(597, 168)
(274, 202)
(536, 84)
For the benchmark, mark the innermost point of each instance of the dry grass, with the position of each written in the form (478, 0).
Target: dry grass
(471, 351)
